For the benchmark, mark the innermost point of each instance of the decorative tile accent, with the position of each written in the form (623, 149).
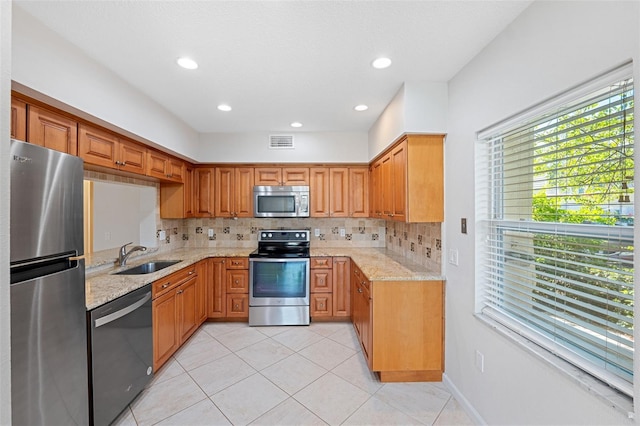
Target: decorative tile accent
(225, 230)
(375, 237)
(168, 237)
(158, 233)
(212, 238)
(348, 237)
(420, 240)
(321, 237)
(438, 244)
(404, 234)
(199, 230)
(413, 246)
(185, 237)
(240, 237)
(361, 229)
(335, 230)
(254, 229)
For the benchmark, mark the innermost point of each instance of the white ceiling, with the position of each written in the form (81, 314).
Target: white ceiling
(276, 62)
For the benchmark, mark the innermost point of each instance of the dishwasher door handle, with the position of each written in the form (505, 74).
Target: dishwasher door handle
(122, 312)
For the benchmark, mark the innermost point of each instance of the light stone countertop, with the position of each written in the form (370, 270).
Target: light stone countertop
(103, 286)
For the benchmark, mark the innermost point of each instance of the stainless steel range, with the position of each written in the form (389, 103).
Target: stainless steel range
(279, 278)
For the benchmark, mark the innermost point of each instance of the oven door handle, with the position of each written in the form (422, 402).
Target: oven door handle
(280, 260)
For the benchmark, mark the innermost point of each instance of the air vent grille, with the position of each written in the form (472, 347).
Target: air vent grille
(281, 142)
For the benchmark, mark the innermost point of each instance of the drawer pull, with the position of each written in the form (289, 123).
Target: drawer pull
(237, 282)
(359, 290)
(191, 272)
(166, 285)
(179, 291)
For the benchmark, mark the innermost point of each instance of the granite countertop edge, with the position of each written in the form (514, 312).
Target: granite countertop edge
(102, 285)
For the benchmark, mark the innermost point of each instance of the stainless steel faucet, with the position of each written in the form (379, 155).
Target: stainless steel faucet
(124, 254)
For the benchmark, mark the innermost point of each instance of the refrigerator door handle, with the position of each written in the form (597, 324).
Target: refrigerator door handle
(122, 312)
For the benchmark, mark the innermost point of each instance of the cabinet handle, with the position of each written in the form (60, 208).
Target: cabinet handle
(359, 290)
(123, 163)
(166, 285)
(190, 272)
(223, 261)
(237, 281)
(237, 306)
(321, 281)
(179, 291)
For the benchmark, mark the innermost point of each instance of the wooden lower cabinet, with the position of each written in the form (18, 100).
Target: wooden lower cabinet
(178, 310)
(400, 325)
(228, 288)
(329, 287)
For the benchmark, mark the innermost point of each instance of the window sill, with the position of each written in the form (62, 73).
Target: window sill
(608, 395)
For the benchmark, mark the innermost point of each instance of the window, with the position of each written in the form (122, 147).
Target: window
(556, 210)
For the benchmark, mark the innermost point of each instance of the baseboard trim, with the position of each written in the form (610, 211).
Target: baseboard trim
(475, 417)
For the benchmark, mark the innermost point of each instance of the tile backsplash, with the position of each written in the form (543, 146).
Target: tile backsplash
(418, 242)
(243, 232)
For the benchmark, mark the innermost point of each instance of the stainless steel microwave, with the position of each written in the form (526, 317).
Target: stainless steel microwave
(281, 201)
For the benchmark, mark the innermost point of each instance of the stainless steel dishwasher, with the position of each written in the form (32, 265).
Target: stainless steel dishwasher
(121, 353)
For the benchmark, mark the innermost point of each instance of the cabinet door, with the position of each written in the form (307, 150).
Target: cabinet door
(132, 157)
(166, 338)
(52, 130)
(97, 147)
(399, 182)
(188, 308)
(18, 119)
(243, 192)
(224, 191)
(358, 194)
(386, 186)
(237, 281)
(204, 192)
(356, 309)
(269, 176)
(339, 192)
(341, 288)
(295, 176)
(189, 192)
(175, 169)
(366, 326)
(376, 192)
(216, 288)
(201, 291)
(321, 305)
(237, 305)
(321, 281)
(319, 191)
(157, 165)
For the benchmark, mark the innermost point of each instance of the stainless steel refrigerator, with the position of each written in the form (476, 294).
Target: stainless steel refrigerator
(49, 376)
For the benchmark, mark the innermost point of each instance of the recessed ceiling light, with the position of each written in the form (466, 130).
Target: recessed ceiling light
(296, 124)
(381, 63)
(361, 107)
(187, 63)
(224, 107)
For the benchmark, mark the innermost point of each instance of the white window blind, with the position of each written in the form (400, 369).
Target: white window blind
(556, 258)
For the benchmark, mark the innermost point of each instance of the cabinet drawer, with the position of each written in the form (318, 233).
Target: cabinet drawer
(238, 263)
(321, 281)
(169, 282)
(321, 305)
(321, 263)
(237, 305)
(238, 281)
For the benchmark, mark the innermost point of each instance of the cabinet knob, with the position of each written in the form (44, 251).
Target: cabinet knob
(322, 305)
(237, 281)
(166, 285)
(237, 306)
(321, 281)
(359, 290)
(179, 291)
(190, 272)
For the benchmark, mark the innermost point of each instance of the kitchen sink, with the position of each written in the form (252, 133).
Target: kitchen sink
(148, 268)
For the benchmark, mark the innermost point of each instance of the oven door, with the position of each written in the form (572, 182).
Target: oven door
(278, 282)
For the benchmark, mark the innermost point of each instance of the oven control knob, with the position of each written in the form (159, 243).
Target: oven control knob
(264, 235)
(270, 235)
(303, 235)
(297, 235)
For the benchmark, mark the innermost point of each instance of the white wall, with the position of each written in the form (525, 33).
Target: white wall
(5, 102)
(309, 147)
(123, 213)
(549, 48)
(418, 107)
(44, 62)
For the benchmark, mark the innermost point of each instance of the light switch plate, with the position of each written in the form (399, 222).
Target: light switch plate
(316, 232)
(463, 225)
(162, 235)
(210, 232)
(342, 232)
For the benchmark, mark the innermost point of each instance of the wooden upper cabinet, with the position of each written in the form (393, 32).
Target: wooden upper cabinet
(407, 182)
(319, 191)
(338, 192)
(102, 148)
(204, 191)
(52, 130)
(177, 200)
(18, 119)
(234, 192)
(278, 176)
(164, 167)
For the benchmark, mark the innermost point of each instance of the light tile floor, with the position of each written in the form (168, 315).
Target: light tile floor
(230, 373)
